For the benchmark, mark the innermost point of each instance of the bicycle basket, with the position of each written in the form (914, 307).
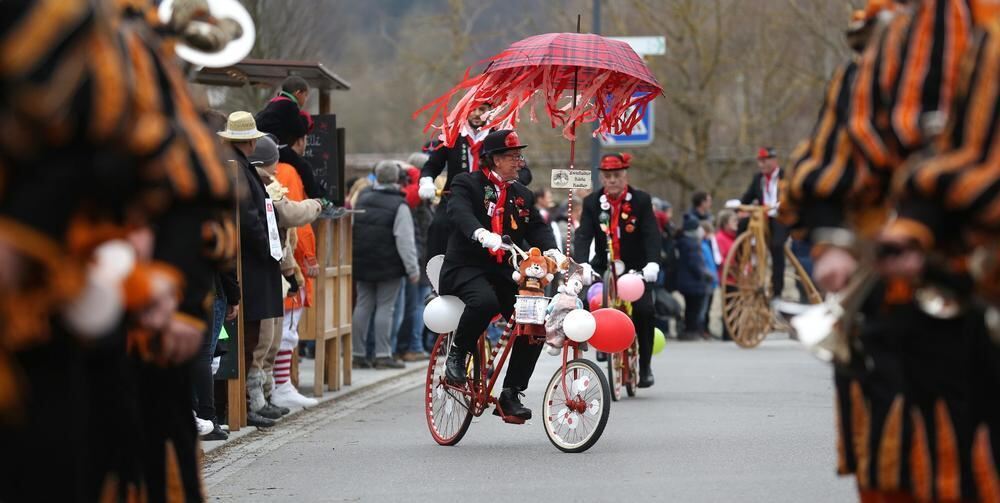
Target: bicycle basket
(530, 309)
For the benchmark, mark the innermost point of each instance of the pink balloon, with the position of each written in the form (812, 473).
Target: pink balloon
(631, 287)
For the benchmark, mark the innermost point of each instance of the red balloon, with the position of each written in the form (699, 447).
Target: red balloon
(615, 331)
(595, 303)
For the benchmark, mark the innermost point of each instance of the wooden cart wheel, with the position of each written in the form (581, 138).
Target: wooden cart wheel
(746, 309)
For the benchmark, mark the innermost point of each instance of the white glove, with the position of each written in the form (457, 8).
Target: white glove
(427, 188)
(651, 272)
(588, 273)
(556, 256)
(489, 240)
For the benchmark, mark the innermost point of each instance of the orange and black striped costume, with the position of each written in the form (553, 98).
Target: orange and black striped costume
(910, 422)
(907, 71)
(98, 137)
(949, 202)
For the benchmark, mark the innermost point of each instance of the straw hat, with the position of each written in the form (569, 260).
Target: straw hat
(240, 127)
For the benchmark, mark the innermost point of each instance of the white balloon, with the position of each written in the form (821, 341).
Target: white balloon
(442, 314)
(434, 270)
(579, 325)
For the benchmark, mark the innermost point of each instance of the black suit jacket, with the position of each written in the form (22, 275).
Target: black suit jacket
(755, 193)
(455, 159)
(465, 257)
(638, 247)
(261, 286)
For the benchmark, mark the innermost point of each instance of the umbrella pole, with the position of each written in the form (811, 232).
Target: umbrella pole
(572, 160)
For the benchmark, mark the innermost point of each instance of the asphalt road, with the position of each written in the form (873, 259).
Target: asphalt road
(721, 424)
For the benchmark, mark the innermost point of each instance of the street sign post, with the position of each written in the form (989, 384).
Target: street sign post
(645, 46)
(641, 136)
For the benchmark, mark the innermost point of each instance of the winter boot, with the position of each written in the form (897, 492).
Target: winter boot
(255, 390)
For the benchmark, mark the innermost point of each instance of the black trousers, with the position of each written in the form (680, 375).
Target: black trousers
(643, 316)
(779, 234)
(439, 231)
(485, 296)
(692, 313)
(46, 439)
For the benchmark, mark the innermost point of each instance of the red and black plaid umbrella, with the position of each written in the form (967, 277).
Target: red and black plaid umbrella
(613, 85)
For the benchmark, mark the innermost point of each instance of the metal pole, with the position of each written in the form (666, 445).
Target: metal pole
(595, 144)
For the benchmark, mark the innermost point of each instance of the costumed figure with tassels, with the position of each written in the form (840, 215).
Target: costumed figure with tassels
(113, 221)
(916, 382)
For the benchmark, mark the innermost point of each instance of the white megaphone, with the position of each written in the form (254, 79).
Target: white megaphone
(211, 33)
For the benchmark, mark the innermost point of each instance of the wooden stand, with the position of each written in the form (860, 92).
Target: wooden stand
(328, 322)
(236, 398)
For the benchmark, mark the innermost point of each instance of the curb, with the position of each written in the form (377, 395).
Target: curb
(211, 450)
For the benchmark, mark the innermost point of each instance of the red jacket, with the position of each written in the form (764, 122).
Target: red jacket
(410, 191)
(725, 240)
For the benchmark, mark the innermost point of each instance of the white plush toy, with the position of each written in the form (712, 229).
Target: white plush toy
(565, 301)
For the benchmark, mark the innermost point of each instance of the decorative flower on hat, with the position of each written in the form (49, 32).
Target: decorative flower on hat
(511, 140)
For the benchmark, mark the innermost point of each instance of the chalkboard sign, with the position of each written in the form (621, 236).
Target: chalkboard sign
(325, 155)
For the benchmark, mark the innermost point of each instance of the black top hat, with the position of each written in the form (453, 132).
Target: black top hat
(500, 141)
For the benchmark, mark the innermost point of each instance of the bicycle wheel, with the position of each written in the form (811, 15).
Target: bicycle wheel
(574, 425)
(802, 280)
(632, 376)
(745, 308)
(448, 408)
(615, 363)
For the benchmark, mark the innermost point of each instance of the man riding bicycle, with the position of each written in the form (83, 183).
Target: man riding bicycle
(763, 190)
(626, 215)
(484, 206)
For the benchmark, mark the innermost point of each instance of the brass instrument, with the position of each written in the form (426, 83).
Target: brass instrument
(211, 33)
(826, 329)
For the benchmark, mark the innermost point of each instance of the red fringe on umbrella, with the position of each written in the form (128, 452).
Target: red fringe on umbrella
(604, 96)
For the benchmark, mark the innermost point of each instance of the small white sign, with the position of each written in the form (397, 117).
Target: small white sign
(571, 179)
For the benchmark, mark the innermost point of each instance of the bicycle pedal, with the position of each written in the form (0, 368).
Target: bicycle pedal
(508, 419)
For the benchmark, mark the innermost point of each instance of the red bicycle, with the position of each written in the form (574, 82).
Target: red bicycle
(623, 366)
(576, 400)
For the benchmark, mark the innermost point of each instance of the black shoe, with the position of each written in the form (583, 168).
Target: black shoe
(646, 379)
(215, 435)
(360, 363)
(387, 363)
(283, 410)
(455, 371)
(270, 412)
(254, 419)
(510, 403)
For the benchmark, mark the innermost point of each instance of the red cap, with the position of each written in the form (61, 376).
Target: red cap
(766, 153)
(614, 162)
